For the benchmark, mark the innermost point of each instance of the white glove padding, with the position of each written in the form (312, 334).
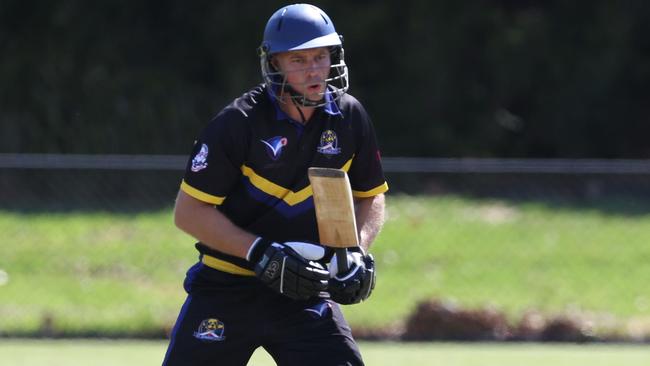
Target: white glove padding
(310, 252)
(355, 260)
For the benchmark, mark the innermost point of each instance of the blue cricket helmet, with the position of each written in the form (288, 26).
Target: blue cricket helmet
(299, 27)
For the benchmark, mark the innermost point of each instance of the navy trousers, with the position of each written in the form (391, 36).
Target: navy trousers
(226, 317)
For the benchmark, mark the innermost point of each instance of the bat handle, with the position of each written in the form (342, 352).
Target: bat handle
(342, 260)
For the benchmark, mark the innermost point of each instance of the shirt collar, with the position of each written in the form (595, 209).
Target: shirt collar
(330, 107)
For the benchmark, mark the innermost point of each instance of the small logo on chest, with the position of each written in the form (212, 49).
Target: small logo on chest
(329, 143)
(274, 146)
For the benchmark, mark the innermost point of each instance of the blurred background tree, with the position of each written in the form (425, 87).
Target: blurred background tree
(464, 79)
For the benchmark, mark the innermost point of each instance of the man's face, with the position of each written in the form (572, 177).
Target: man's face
(305, 70)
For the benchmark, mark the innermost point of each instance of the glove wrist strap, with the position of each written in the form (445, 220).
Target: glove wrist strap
(257, 249)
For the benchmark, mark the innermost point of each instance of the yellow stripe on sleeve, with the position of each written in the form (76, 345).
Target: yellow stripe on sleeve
(373, 192)
(201, 196)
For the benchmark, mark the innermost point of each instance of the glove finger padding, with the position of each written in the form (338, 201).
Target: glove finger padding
(355, 285)
(286, 272)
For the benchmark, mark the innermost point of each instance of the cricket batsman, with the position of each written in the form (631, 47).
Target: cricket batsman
(263, 279)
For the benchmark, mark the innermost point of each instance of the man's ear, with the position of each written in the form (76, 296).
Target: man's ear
(274, 63)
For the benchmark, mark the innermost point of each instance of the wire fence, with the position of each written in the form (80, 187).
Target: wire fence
(390, 164)
(88, 246)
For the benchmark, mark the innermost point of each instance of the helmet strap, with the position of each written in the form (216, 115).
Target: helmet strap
(302, 115)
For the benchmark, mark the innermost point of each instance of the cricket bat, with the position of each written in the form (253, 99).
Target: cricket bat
(337, 225)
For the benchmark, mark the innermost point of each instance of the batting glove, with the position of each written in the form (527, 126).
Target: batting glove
(357, 283)
(289, 268)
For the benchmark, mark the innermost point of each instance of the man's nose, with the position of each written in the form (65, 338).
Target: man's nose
(312, 67)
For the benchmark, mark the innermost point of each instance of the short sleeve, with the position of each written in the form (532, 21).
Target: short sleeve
(366, 173)
(214, 166)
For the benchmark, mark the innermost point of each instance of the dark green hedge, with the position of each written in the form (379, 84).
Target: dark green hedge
(455, 78)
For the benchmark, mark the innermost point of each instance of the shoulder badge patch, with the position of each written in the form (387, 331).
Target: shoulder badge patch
(210, 330)
(329, 143)
(200, 159)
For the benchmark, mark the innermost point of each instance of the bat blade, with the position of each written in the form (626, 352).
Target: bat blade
(334, 205)
(337, 225)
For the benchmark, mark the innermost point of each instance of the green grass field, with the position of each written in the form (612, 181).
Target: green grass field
(122, 273)
(137, 353)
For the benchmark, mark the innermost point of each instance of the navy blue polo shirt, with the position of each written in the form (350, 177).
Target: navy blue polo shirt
(251, 162)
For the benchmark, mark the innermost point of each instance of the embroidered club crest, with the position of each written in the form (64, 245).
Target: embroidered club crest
(328, 143)
(274, 146)
(200, 159)
(210, 330)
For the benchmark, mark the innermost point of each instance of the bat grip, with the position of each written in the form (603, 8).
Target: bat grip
(342, 260)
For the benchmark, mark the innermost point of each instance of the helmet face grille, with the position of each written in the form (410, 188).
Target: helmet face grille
(276, 81)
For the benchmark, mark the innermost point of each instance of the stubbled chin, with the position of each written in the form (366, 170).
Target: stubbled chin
(314, 97)
(315, 94)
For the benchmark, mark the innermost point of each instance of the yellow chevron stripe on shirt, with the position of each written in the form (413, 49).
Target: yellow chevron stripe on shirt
(290, 197)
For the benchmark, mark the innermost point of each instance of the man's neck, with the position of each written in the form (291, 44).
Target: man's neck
(294, 112)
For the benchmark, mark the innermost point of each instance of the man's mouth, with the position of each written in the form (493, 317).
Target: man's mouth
(314, 87)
